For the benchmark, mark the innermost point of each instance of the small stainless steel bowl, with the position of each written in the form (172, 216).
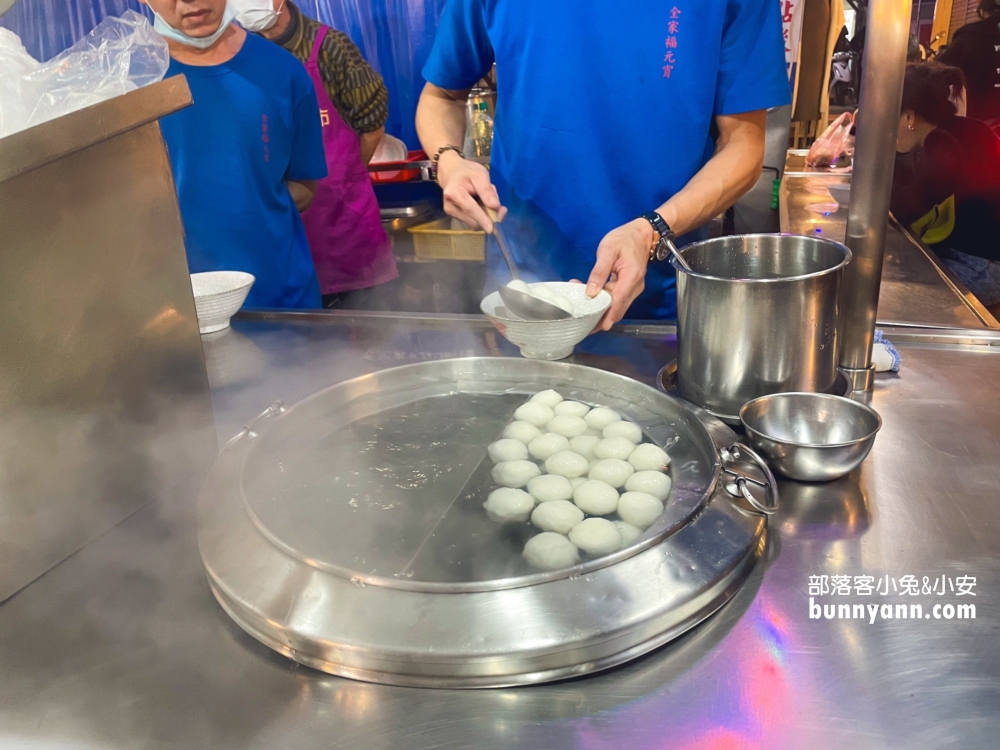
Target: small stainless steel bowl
(812, 437)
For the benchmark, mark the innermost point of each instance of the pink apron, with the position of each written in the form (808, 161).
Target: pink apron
(349, 247)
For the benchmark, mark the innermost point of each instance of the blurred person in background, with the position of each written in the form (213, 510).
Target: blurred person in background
(351, 251)
(246, 155)
(975, 49)
(615, 128)
(946, 185)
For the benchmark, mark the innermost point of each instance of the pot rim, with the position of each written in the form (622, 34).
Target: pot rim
(816, 274)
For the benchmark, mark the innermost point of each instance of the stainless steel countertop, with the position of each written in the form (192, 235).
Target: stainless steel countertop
(917, 289)
(123, 646)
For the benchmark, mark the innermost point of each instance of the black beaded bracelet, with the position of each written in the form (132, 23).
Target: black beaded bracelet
(437, 157)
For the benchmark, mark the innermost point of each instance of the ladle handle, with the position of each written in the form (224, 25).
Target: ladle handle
(501, 242)
(678, 258)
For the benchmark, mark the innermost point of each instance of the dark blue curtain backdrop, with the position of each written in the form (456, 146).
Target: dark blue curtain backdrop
(395, 36)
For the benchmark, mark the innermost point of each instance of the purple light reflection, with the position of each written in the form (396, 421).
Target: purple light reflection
(746, 710)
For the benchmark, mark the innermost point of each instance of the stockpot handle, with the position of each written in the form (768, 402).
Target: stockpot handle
(734, 453)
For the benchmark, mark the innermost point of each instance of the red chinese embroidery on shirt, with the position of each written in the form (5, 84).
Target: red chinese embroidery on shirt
(265, 137)
(673, 27)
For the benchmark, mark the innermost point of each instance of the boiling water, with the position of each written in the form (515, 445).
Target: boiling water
(398, 493)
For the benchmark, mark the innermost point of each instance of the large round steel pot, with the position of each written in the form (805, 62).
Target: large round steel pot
(348, 532)
(757, 314)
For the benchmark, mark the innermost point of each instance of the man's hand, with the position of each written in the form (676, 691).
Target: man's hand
(441, 122)
(622, 256)
(462, 181)
(735, 167)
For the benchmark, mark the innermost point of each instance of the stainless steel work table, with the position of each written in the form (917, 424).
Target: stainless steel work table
(123, 646)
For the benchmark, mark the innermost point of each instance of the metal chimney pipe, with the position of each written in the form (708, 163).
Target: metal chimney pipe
(888, 32)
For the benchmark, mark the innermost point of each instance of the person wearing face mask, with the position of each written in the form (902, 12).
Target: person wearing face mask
(351, 251)
(246, 156)
(946, 183)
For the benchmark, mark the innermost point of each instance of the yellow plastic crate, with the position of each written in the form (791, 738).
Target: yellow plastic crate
(436, 240)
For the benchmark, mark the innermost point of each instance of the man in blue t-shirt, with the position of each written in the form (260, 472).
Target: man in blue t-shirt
(616, 123)
(246, 155)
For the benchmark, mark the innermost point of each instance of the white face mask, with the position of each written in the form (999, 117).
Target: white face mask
(256, 15)
(201, 42)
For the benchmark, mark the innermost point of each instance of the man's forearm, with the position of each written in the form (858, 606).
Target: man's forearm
(465, 184)
(730, 173)
(369, 142)
(440, 118)
(302, 192)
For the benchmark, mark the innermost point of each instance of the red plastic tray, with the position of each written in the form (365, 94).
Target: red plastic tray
(391, 171)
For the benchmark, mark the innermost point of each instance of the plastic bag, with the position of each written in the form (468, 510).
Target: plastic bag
(14, 61)
(14, 58)
(835, 141)
(119, 55)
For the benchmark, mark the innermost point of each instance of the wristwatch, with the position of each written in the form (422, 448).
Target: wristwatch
(665, 237)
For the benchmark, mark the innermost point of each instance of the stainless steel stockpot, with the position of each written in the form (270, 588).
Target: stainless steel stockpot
(757, 314)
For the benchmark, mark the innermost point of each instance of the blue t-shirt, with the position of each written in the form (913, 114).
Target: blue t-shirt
(254, 124)
(604, 111)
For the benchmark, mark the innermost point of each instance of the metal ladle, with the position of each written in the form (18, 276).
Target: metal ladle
(523, 305)
(678, 258)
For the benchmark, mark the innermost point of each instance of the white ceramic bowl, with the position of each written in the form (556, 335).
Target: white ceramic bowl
(841, 192)
(218, 295)
(549, 339)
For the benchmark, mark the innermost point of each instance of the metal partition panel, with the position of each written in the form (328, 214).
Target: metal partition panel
(754, 214)
(104, 399)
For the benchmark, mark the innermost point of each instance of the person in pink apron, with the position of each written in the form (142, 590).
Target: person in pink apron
(351, 251)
